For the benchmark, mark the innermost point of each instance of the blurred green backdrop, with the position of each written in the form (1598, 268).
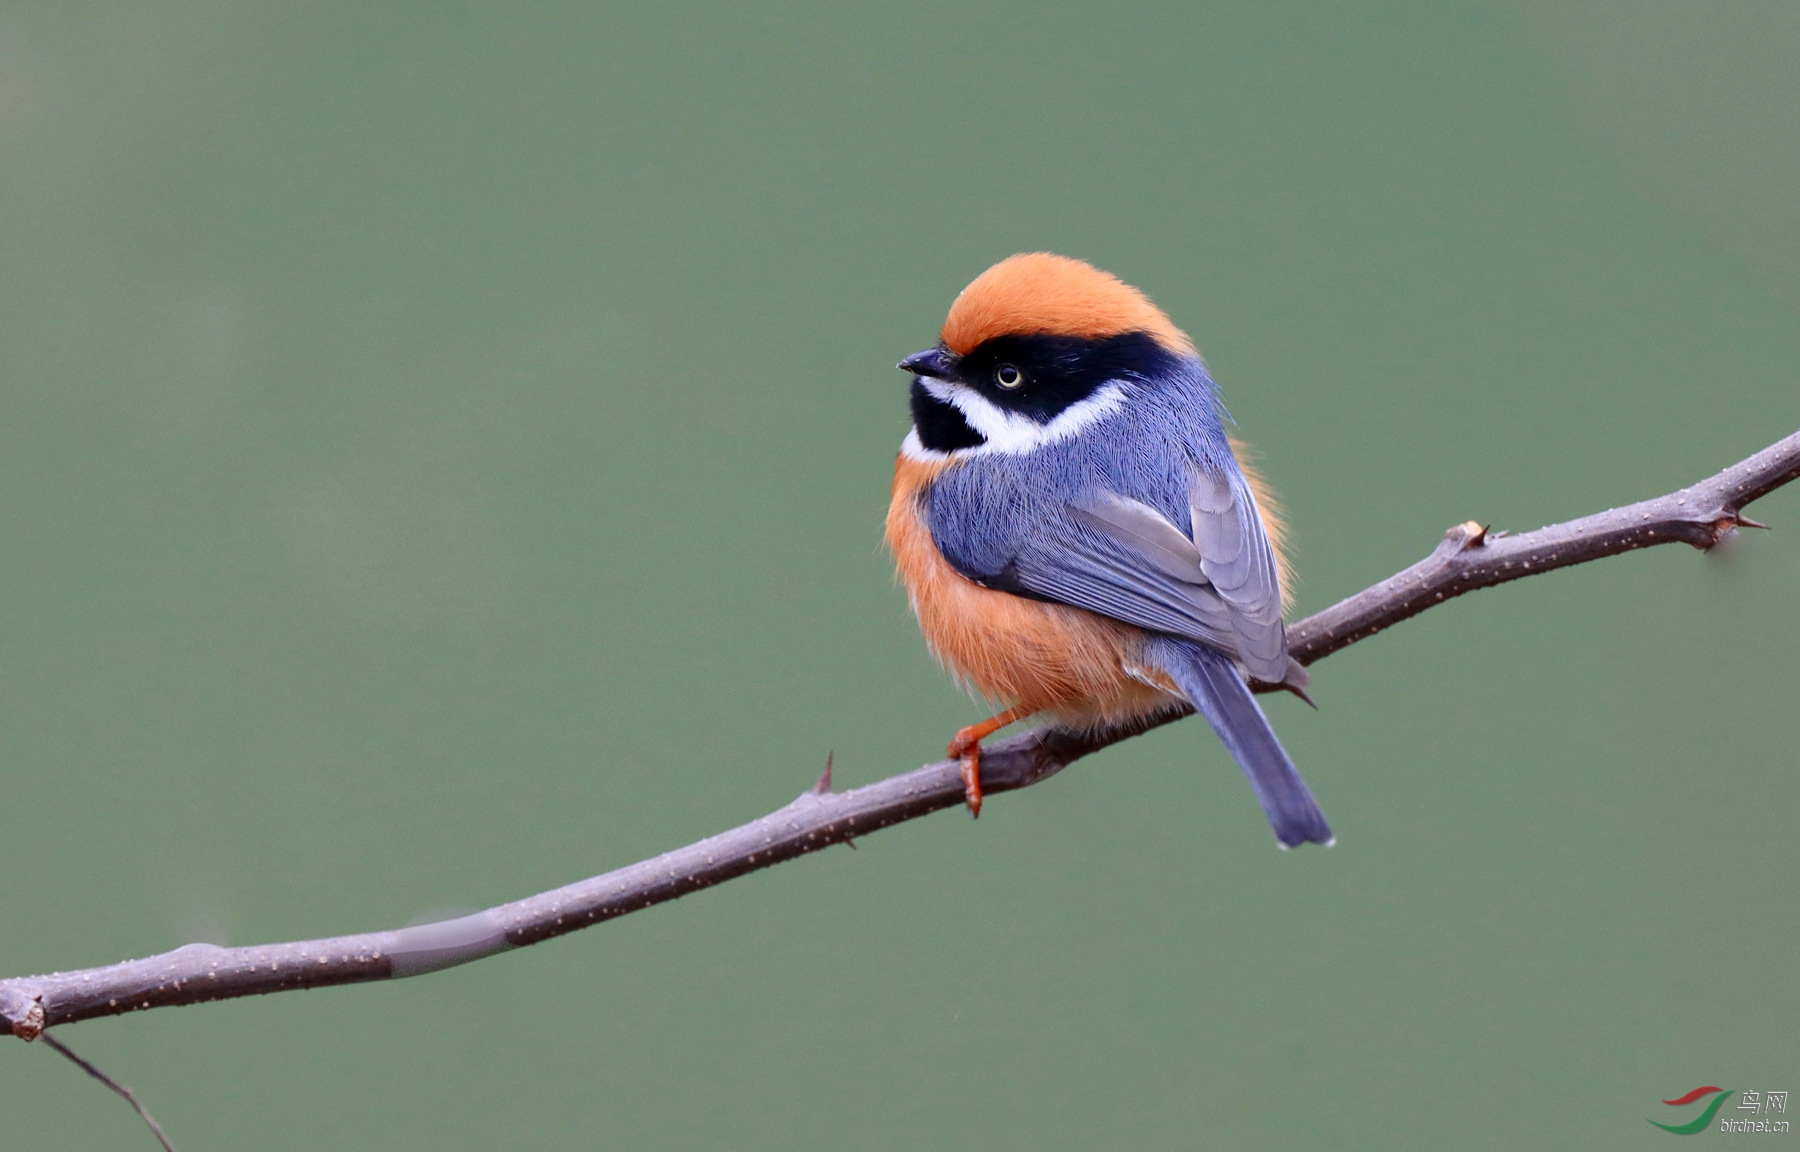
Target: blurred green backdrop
(442, 455)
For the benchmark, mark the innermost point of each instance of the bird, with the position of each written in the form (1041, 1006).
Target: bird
(1076, 533)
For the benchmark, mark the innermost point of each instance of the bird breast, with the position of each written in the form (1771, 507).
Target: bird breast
(1081, 667)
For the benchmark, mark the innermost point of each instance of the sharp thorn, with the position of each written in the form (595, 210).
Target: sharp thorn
(823, 787)
(850, 843)
(1743, 521)
(1301, 692)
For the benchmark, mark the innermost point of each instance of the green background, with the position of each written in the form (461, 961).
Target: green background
(442, 456)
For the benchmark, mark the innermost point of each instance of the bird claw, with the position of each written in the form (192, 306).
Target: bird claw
(971, 778)
(968, 753)
(965, 746)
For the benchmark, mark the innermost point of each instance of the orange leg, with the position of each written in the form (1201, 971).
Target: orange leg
(966, 746)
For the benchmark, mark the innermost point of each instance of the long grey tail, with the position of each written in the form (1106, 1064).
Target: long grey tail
(1212, 683)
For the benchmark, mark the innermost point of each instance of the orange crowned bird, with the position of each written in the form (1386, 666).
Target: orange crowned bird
(1075, 531)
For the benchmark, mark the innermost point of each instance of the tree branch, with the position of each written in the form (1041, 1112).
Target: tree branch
(1466, 559)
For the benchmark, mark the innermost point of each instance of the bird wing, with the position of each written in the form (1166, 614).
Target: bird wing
(1239, 563)
(1130, 566)
(1122, 558)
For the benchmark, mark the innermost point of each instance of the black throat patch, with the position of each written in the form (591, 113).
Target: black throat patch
(940, 425)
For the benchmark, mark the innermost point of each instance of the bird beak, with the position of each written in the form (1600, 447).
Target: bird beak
(931, 362)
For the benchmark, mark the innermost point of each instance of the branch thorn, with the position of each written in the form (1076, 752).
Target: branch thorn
(1743, 521)
(823, 787)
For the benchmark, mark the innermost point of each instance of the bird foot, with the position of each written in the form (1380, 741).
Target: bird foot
(970, 756)
(965, 746)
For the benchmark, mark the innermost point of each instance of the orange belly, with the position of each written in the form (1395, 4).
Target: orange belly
(1080, 667)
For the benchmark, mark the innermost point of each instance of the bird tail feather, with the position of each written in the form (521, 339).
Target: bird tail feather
(1212, 683)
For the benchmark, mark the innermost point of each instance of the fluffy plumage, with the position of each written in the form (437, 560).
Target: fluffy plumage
(1074, 528)
(1044, 657)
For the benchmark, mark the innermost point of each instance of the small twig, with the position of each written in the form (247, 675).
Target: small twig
(85, 1066)
(1468, 557)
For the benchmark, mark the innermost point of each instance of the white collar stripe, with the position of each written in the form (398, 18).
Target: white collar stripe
(1011, 433)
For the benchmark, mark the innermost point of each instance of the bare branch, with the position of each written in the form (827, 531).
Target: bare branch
(1467, 558)
(155, 1128)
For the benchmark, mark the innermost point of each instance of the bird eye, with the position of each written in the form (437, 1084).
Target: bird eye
(1008, 377)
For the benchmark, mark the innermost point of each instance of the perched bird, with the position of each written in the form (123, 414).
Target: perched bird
(1075, 532)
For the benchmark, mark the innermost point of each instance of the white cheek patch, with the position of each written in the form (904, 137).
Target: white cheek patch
(912, 449)
(1012, 433)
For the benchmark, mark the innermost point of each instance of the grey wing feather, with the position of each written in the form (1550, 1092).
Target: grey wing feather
(1113, 585)
(1138, 567)
(1142, 529)
(1239, 562)
(1219, 586)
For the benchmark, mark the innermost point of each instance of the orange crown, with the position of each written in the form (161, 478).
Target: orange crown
(1037, 293)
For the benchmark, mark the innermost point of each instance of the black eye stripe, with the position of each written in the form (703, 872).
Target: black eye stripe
(940, 425)
(1058, 371)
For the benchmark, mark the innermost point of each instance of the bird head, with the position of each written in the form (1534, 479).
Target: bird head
(1035, 349)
